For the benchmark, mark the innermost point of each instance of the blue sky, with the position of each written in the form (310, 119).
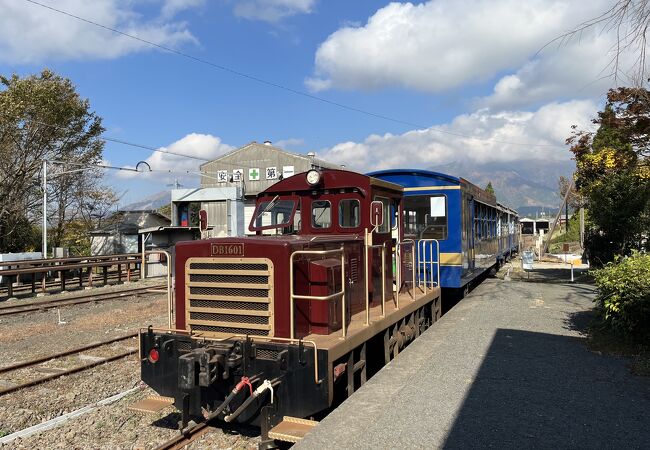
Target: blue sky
(469, 68)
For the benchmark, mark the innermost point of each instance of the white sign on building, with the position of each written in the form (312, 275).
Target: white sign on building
(271, 173)
(254, 174)
(287, 171)
(222, 176)
(237, 174)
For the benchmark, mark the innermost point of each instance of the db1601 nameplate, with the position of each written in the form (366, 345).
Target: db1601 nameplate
(227, 250)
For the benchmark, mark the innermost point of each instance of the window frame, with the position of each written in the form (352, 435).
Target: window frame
(340, 215)
(254, 228)
(311, 215)
(386, 226)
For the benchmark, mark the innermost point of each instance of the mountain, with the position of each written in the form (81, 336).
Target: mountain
(532, 186)
(154, 201)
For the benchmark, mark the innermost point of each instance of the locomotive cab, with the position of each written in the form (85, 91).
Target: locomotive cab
(291, 309)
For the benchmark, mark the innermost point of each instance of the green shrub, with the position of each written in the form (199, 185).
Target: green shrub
(624, 295)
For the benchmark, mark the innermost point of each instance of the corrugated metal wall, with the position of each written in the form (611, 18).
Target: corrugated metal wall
(260, 165)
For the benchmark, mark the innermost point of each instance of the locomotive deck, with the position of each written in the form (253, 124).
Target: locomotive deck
(359, 332)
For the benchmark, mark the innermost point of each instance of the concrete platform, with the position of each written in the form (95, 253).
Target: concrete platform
(505, 368)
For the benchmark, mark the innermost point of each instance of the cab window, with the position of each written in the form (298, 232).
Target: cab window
(349, 213)
(321, 214)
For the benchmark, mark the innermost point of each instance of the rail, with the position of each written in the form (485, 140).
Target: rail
(423, 245)
(19, 308)
(398, 258)
(341, 293)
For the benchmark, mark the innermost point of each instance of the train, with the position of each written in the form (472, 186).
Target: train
(291, 321)
(472, 232)
(343, 272)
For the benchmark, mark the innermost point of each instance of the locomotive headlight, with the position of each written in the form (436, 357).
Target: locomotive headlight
(313, 177)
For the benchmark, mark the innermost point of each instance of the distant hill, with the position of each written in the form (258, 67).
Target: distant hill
(532, 186)
(154, 201)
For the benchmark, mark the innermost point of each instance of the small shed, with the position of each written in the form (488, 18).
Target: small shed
(120, 232)
(224, 206)
(533, 226)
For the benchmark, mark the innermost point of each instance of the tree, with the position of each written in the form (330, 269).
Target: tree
(489, 188)
(630, 20)
(42, 117)
(613, 176)
(575, 201)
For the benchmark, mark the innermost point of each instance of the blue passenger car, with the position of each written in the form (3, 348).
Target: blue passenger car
(474, 232)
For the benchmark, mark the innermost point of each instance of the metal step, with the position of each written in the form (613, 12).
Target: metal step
(291, 429)
(152, 404)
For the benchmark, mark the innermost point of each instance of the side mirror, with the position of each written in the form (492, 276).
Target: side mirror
(376, 214)
(203, 220)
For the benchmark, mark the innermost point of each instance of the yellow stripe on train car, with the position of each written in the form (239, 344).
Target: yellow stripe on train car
(451, 259)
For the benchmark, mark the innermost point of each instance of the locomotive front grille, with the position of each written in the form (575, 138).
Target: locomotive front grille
(226, 296)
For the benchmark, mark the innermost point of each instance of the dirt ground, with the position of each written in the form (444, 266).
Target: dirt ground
(112, 426)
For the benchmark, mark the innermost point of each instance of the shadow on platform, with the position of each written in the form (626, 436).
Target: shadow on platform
(548, 391)
(553, 275)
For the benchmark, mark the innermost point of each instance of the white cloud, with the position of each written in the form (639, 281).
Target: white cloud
(172, 7)
(547, 128)
(578, 69)
(166, 166)
(443, 44)
(272, 10)
(32, 34)
(289, 143)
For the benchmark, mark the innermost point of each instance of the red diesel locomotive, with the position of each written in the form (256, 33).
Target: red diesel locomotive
(291, 321)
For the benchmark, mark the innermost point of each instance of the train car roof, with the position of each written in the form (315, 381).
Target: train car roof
(411, 176)
(420, 179)
(331, 179)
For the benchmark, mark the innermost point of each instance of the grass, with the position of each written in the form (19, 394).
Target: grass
(3, 433)
(559, 236)
(603, 340)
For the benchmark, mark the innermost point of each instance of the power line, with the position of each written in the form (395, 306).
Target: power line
(123, 142)
(280, 86)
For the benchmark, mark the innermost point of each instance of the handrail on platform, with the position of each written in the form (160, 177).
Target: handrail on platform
(423, 261)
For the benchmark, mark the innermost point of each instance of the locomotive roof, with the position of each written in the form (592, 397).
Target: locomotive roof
(331, 179)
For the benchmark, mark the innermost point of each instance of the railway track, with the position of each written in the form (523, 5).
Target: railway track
(8, 310)
(187, 437)
(36, 362)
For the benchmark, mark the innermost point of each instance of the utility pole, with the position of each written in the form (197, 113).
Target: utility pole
(44, 245)
(582, 227)
(566, 216)
(557, 217)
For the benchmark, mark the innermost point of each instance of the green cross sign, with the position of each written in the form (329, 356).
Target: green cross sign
(253, 174)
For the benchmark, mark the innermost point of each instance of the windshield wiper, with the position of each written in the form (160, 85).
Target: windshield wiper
(271, 204)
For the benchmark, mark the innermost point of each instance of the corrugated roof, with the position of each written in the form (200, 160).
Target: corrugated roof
(253, 144)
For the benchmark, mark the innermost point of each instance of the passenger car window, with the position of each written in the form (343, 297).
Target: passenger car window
(321, 214)
(349, 213)
(425, 216)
